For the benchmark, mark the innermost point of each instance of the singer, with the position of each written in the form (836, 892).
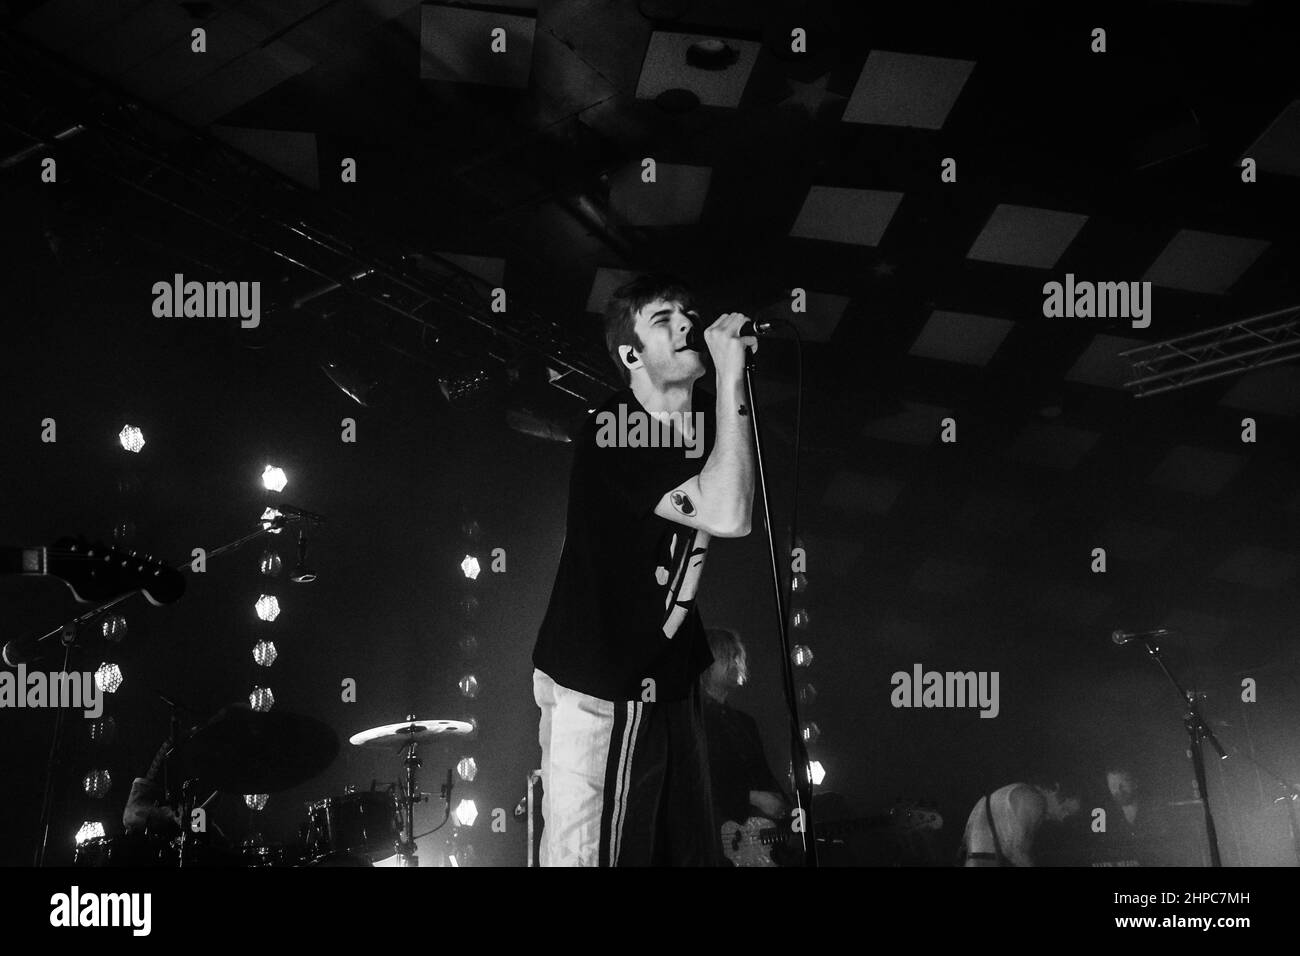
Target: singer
(624, 769)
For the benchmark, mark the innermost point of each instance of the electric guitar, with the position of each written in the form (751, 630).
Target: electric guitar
(95, 573)
(760, 842)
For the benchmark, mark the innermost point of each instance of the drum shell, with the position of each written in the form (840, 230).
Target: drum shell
(361, 825)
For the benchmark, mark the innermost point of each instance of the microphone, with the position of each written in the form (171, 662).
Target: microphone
(695, 337)
(23, 649)
(289, 511)
(1126, 637)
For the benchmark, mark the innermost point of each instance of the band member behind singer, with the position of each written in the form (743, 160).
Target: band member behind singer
(1003, 825)
(624, 764)
(146, 810)
(743, 783)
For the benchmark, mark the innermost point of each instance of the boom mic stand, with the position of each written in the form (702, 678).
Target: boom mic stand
(68, 630)
(1197, 731)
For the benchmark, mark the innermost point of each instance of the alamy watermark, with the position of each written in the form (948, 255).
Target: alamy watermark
(77, 689)
(640, 429)
(1101, 300)
(78, 909)
(923, 688)
(208, 300)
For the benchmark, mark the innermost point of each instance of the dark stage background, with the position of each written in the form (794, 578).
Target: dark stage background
(966, 556)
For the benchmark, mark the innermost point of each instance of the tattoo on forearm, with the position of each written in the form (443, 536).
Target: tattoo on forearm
(682, 502)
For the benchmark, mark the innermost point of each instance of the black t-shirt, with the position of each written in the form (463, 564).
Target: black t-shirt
(737, 763)
(622, 611)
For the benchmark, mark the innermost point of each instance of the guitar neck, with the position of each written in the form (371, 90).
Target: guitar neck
(23, 561)
(834, 828)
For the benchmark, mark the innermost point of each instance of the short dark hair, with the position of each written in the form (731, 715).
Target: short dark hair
(629, 299)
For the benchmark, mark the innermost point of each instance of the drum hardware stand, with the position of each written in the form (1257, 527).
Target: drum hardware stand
(187, 800)
(533, 777)
(406, 850)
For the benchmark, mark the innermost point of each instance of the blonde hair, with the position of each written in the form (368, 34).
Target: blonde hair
(726, 645)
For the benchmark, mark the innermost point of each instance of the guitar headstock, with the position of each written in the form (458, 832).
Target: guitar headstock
(96, 573)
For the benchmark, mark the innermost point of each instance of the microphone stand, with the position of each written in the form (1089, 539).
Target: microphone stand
(1197, 731)
(68, 630)
(798, 749)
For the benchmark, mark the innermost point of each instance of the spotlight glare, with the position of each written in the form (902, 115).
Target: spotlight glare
(268, 607)
(466, 813)
(108, 678)
(264, 653)
(270, 564)
(256, 801)
(114, 627)
(816, 772)
(103, 730)
(97, 783)
(268, 519)
(467, 767)
(802, 655)
(470, 567)
(132, 438)
(469, 686)
(801, 619)
(811, 732)
(90, 831)
(274, 479)
(261, 699)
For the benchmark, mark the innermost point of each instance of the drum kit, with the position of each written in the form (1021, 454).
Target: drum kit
(242, 751)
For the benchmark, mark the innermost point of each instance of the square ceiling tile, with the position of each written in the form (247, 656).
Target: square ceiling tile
(904, 89)
(1278, 148)
(456, 46)
(917, 424)
(1100, 364)
(1196, 471)
(819, 320)
(666, 67)
(675, 198)
(1204, 261)
(960, 337)
(837, 214)
(1274, 391)
(604, 284)
(289, 152)
(1026, 236)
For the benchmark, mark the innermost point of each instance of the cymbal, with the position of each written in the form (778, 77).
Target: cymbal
(420, 731)
(241, 750)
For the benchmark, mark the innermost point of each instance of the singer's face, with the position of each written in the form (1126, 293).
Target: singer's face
(662, 327)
